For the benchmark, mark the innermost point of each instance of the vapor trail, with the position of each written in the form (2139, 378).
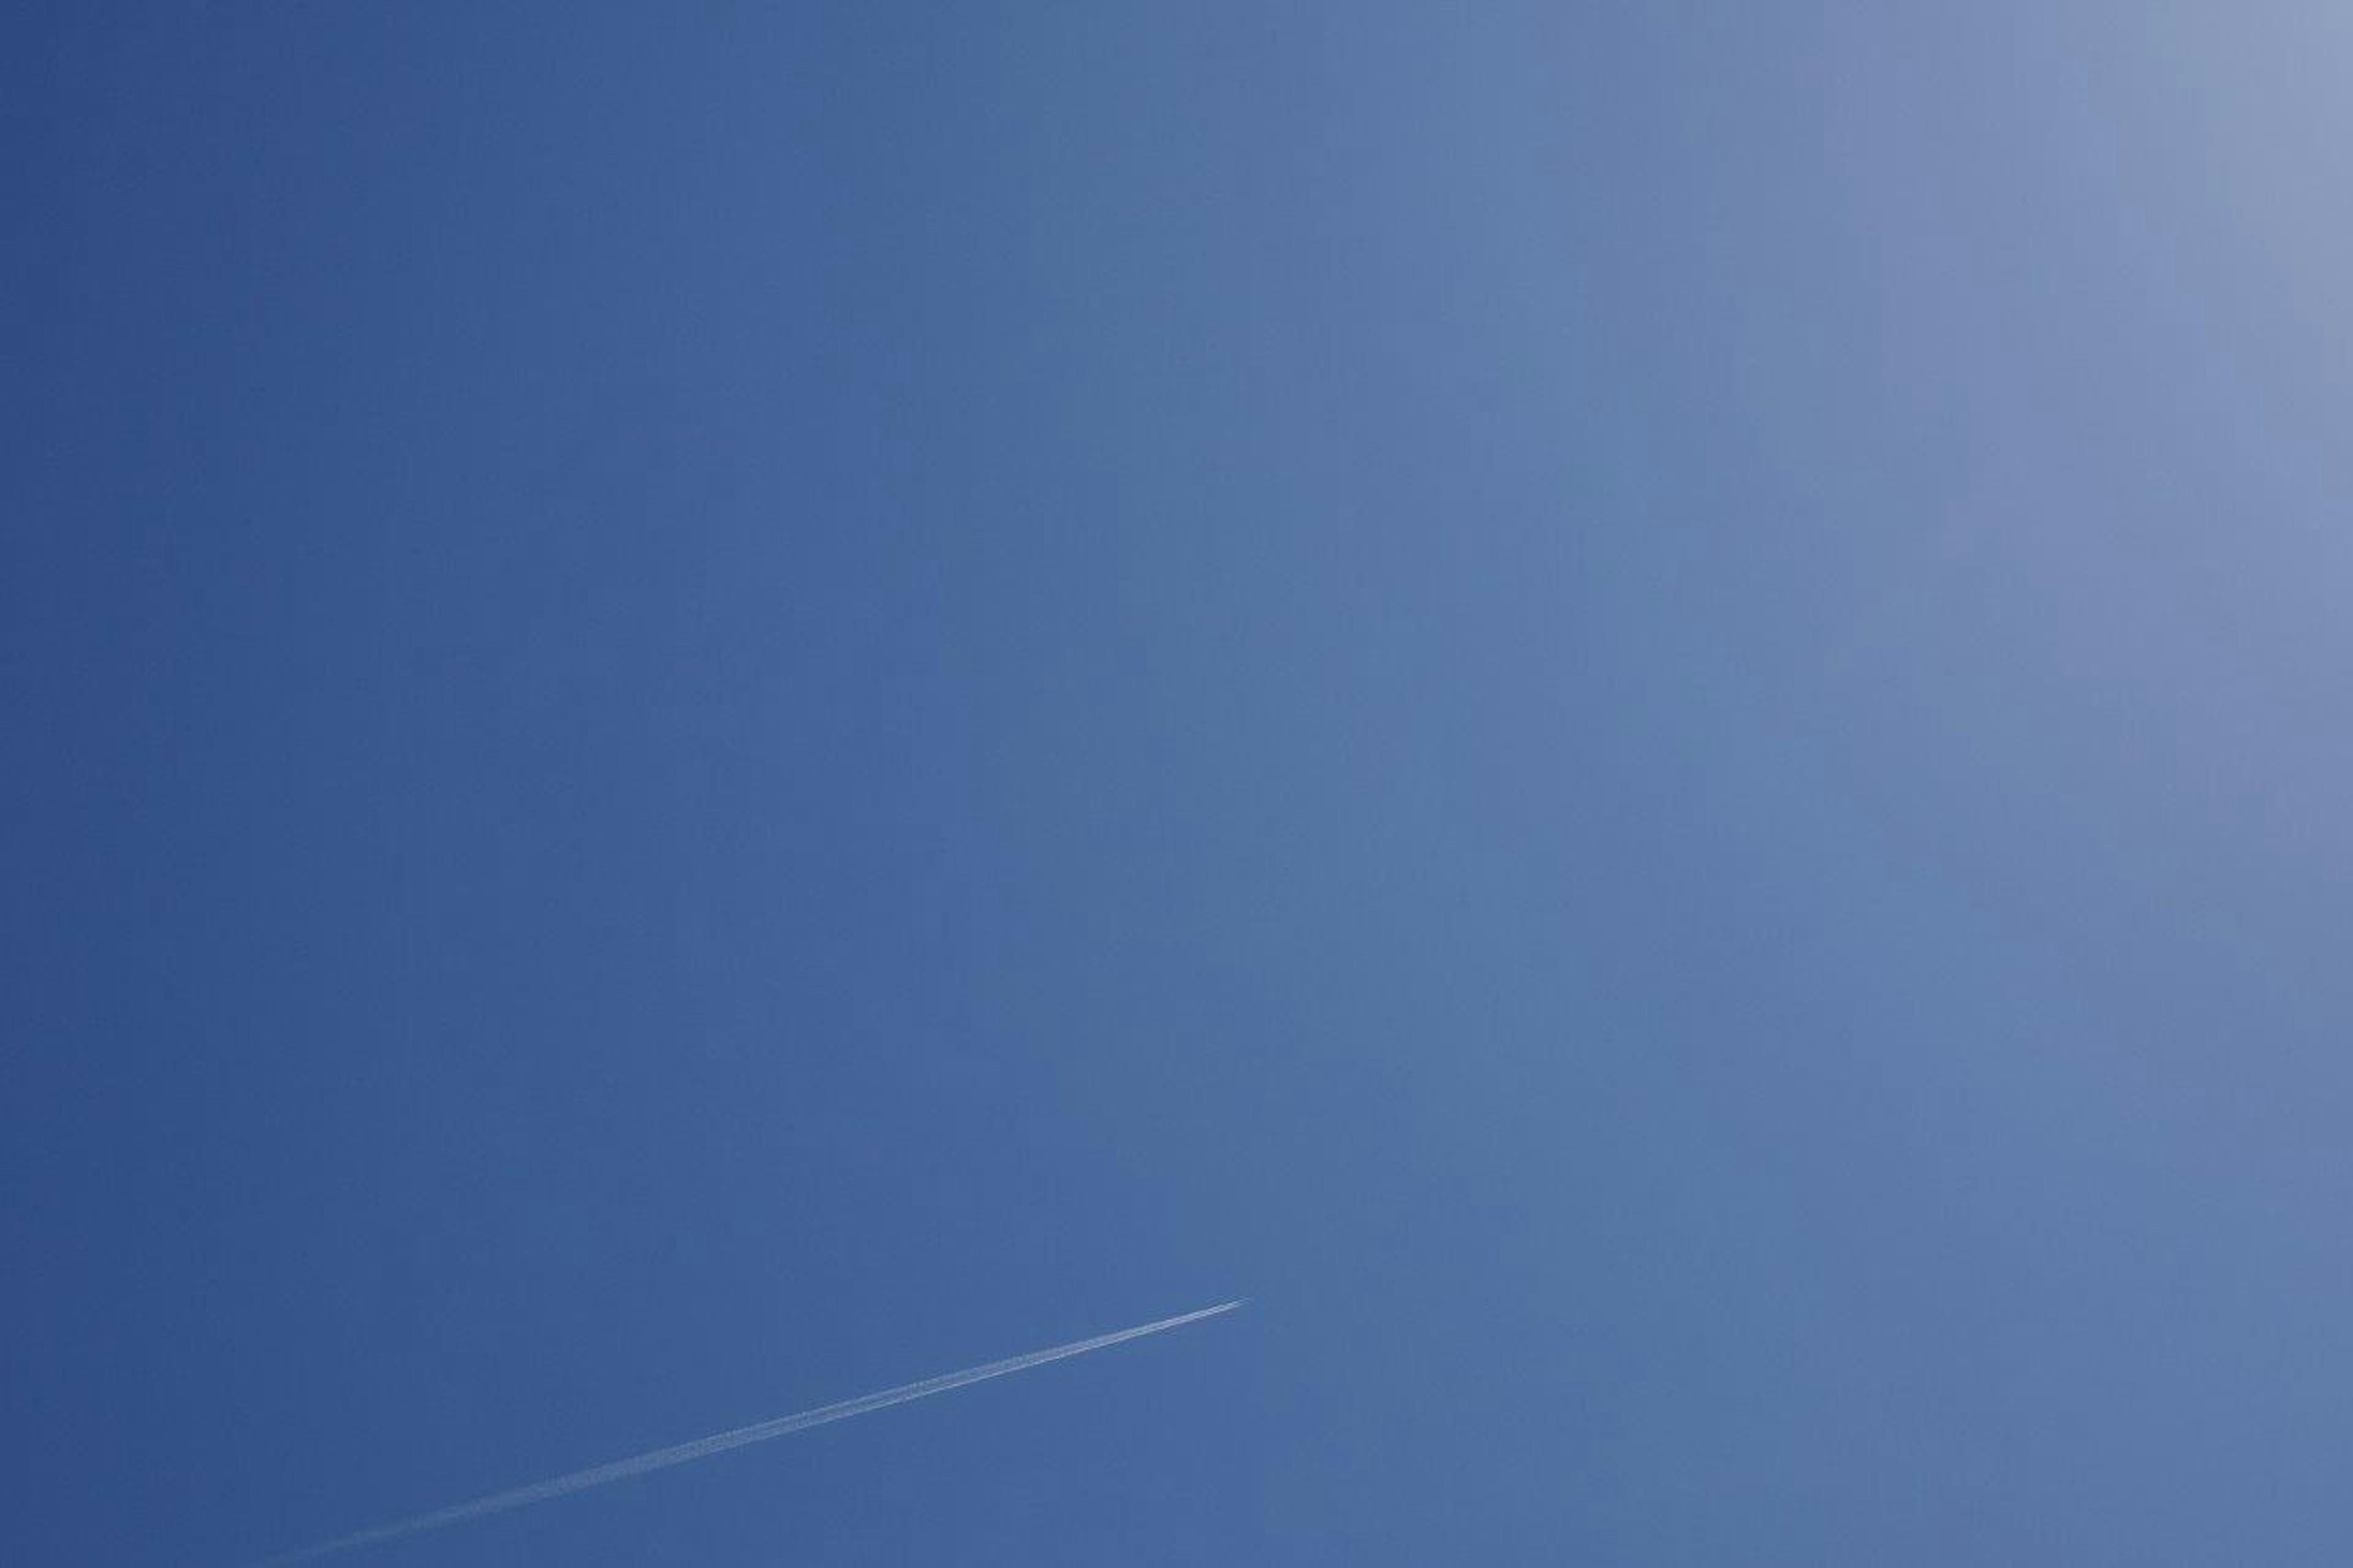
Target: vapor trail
(720, 1442)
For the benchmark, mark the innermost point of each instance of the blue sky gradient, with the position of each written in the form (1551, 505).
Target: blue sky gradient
(1638, 710)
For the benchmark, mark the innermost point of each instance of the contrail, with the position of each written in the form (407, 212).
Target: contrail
(720, 1442)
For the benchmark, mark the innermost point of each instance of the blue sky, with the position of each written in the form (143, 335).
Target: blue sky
(1639, 711)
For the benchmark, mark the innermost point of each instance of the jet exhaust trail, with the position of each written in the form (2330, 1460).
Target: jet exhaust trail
(720, 1442)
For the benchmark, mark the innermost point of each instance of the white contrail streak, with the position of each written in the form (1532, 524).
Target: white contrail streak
(720, 1442)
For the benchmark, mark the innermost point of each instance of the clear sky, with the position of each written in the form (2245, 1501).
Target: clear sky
(1642, 711)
